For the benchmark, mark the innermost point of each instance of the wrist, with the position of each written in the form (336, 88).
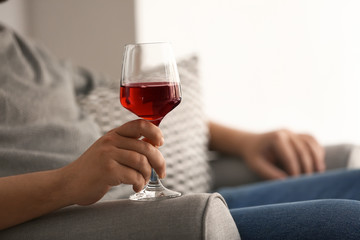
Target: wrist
(244, 142)
(230, 140)
(62, 193)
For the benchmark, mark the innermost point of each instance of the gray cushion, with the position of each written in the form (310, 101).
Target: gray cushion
(192, 216)
(338, 155)
(232, 171)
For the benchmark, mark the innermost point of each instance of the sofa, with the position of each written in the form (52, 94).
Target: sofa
(192, 216)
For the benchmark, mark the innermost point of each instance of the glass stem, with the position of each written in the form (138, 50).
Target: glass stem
(154, 179)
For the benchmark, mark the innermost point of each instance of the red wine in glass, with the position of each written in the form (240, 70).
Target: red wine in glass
(150, 88)
(150, 100)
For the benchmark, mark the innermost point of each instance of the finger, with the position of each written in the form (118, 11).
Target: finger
(126, 175)
(134, 160)
(141, 128)
(303, 153)
(152, 154)
(266, 170)
(286, 152)
(149, 141)
(317, 152)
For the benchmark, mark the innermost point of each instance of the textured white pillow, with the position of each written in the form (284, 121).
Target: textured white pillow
(185, 131)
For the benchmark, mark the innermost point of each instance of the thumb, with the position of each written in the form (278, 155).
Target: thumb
(266, 169)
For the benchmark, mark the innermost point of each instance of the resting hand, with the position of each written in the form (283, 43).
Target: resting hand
(117, 157)
(282, 153)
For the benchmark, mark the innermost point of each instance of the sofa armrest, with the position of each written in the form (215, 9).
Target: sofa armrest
(232, 171)
(192, 216)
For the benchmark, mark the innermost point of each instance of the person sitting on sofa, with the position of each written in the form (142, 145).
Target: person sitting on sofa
(41, 128)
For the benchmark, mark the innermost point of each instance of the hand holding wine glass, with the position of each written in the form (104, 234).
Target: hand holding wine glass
(150, 88)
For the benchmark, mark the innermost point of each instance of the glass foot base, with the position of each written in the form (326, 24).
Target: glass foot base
(154, 193)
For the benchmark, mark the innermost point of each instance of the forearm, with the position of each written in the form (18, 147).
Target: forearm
(118, 157)
(228, 140)
(27, 196)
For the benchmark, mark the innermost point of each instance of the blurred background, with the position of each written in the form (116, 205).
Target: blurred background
(264, 64)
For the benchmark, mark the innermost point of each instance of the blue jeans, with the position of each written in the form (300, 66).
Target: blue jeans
(321, 206)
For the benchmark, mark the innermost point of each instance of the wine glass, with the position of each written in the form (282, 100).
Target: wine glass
(150, 88)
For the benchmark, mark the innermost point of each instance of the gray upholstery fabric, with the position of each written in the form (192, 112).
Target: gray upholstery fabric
(192, 216)
(232, 171)
(354, 158)
(229, 171)
(338, 156)
(216, 223)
